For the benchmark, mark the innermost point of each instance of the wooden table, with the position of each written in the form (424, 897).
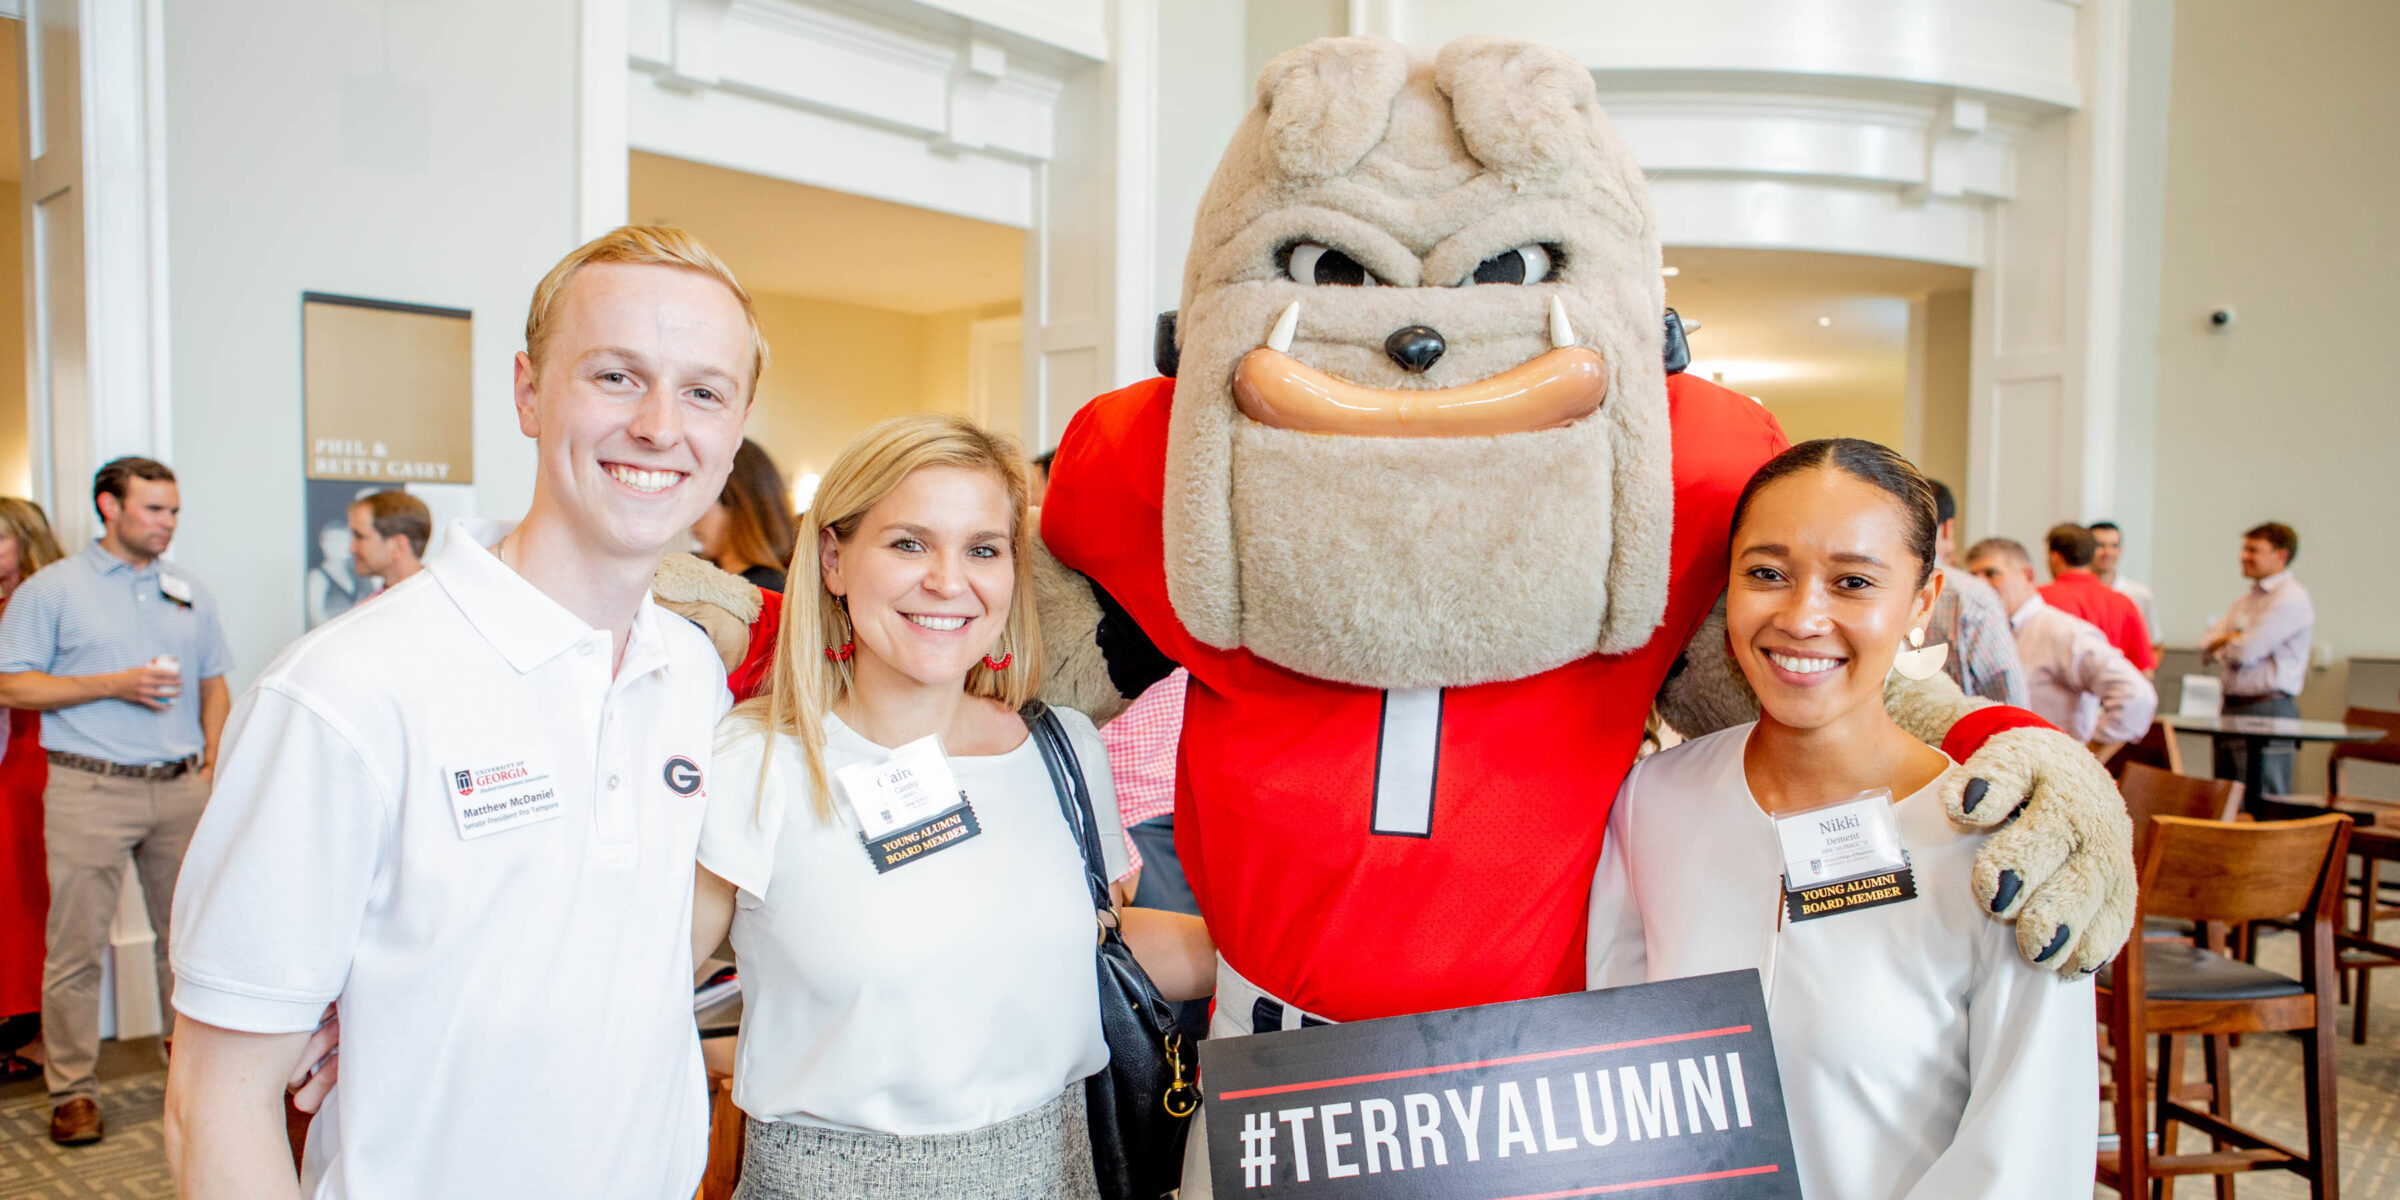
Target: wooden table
(2255, 732)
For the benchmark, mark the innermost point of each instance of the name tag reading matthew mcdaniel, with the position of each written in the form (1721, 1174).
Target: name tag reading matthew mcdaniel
(490, 795)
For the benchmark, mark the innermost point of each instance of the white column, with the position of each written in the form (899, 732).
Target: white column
(2043, 416)
(95, 238)
(96, 362)
(603, 166)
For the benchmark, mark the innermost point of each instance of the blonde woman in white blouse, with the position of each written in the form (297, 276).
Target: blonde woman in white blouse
(920, 1025)
(1919, 1057)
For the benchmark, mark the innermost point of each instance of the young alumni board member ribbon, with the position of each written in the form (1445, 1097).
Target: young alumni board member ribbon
(1665, 1089)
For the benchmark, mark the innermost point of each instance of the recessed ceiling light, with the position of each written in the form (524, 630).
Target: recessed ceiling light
(1824, 321)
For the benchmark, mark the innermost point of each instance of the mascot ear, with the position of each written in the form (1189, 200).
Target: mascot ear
(1328, 103)
(1522, 109)
(1166, 355)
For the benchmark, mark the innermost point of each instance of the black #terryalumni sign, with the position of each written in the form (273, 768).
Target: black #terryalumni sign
(1664, 1089)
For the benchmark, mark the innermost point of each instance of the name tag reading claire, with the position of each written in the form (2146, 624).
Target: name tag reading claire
(490, 795)
(1843, 857)
(908, 806)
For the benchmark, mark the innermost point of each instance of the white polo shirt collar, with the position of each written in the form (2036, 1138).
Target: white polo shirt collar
(522, 622)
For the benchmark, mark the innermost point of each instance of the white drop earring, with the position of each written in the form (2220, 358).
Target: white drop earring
(1921, 661)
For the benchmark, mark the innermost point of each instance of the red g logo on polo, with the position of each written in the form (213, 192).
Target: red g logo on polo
(682, 775)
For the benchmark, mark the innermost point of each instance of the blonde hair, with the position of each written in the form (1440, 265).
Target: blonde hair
(36, 547)
(653, 245)
(805, 684)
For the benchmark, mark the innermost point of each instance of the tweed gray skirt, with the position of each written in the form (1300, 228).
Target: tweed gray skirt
(1045, 1154)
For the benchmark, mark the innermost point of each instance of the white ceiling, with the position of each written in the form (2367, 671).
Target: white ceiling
(1760, 310)
(803, 241)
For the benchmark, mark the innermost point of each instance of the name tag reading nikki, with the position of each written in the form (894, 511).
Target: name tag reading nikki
(1842, 857)
(909, 805)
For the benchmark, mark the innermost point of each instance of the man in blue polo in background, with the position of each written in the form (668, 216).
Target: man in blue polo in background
(124, 657)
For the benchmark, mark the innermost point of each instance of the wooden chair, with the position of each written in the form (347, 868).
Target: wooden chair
(725, 1137)
(719, 1023)
(2157, 748)
(2373, 906)
(2367, 810)
(2220, 874)
(2150, 792)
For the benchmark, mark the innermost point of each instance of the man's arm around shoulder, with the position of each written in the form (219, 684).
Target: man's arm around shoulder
(224, 1113)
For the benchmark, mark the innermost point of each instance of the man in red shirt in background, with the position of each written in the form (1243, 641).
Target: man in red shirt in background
(2075, 590)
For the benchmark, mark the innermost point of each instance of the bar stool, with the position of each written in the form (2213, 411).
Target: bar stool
(2219, 874)
(2150, 792)
(2156, 748)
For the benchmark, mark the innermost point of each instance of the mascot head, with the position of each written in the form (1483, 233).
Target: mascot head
(1420, 424)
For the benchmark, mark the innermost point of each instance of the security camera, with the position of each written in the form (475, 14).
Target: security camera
(2221, 319)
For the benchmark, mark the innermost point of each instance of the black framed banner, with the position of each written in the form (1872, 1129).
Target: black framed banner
(1662, 1089)
(388, 402)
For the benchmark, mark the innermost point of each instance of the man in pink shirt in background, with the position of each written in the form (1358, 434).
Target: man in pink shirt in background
(2075, 679)
(2260, 649)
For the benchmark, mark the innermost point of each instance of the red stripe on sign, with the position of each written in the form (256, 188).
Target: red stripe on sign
(1640, 1185)
(1281, 1088)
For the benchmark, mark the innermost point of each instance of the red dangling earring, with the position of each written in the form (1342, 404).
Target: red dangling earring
(1005, 659)
(849, 646)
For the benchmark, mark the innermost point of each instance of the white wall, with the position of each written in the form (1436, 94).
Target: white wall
(2280, 168)
(1204, 87)
(422, 152)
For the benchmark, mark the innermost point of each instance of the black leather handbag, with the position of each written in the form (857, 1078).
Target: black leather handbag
(1141, 1106)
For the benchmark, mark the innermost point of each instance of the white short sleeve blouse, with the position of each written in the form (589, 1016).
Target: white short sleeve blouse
(947, 994)
(1921, 1059)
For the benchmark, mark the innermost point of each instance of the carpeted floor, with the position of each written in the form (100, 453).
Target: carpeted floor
(128, 1166)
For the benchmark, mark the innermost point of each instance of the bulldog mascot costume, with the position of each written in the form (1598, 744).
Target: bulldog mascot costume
(1435, 530)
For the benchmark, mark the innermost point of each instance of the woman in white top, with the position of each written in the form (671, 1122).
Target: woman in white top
(920, 1000)
(1919, 1057)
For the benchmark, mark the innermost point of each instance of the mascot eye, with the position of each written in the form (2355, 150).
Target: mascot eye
(1315, 265)
(1525, 264)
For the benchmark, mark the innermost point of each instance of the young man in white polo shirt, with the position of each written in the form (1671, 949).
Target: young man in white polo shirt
(469, 810)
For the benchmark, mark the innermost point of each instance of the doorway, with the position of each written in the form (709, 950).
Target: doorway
(871, 309)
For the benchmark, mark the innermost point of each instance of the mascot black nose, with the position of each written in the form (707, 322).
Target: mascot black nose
(1415, 348)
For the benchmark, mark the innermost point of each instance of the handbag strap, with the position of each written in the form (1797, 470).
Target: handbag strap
(1074, 798)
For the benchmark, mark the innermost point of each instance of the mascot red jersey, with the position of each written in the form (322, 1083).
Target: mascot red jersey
(1326, 827)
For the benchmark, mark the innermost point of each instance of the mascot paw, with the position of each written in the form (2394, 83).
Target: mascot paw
(2060, 863)
(722, 605)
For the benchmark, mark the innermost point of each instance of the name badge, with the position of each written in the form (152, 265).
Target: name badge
(175, 589)
(1843, 857)
(491, 795)
(908, 806)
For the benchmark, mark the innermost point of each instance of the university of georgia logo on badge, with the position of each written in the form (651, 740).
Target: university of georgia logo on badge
(682, 775)
(466, 783)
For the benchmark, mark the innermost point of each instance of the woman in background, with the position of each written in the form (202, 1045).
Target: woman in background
(749, 532)
(1919, 1057)
(26, 546)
